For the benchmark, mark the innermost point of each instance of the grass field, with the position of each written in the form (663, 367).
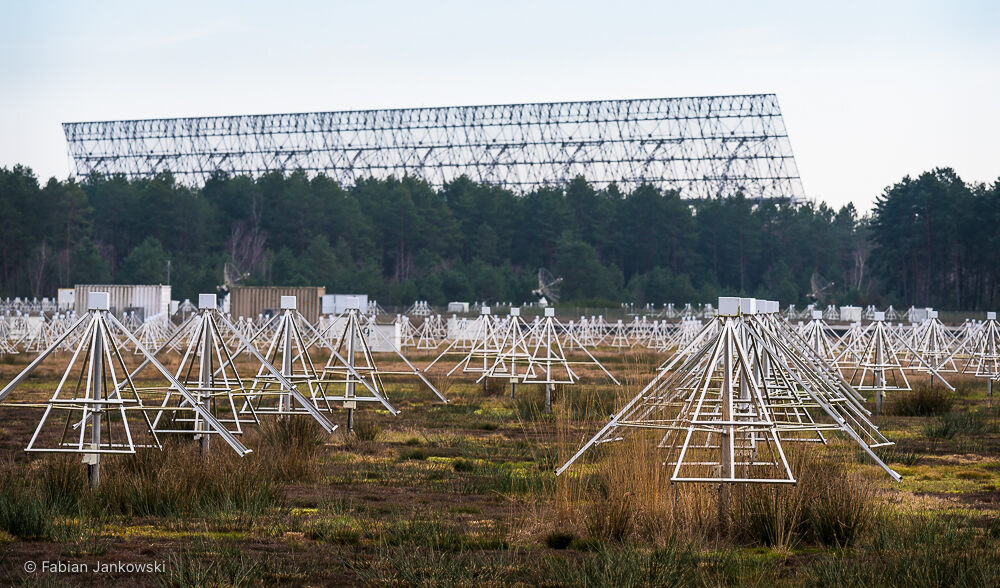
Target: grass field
(464, 494)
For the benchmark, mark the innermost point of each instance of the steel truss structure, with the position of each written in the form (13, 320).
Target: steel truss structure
(92, 404)
(701, 146)
(723, 413)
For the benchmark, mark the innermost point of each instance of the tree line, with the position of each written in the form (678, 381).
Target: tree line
(928, 240)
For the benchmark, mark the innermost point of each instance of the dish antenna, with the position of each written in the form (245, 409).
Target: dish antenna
(818, 287)
(231, 275)
(548, 286)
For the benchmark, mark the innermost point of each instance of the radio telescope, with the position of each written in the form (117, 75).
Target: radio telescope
(818, 288)
(548, 287)
(232, 275)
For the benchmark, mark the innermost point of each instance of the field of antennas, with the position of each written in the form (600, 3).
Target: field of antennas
(740, 442)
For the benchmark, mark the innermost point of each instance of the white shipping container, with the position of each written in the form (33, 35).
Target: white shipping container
(850, 314)
(380, 338)
(388, 338)
(339, 303)
(250, 301)
(151, 299)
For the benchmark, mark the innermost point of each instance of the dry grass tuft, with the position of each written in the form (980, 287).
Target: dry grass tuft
(288, 449)
(921, 401)
(629, 496)
(367, 430)
(495, 386)
(441, 381)
(828, 505)
(618, 502)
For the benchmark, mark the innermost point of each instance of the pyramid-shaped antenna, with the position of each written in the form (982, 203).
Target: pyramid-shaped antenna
(344, 368)
(407, 332)
(619, 336)
(601, 330)
(712, 413)
(429, 335)
(485, 346)
(275, 383)
(659, 336)
(810, 375)
(367, 331)
(6, 344)
(722, 412)
(880, 369)
(352, 321)
(98, 405)
(514, 359)
(548, 363)
(851, 346)
(818, 335)
(337, 372)
(275, 388)
(287, 351)
(984, 353)
(207, 368)
(935, 344)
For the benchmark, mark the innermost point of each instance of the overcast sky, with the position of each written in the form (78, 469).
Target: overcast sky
(870, 91)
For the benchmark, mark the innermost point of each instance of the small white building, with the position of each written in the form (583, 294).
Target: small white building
(458, 307)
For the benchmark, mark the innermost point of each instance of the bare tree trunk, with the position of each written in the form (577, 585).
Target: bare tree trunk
(37, 272)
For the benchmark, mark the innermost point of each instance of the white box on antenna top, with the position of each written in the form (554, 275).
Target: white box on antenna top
(98, 301)
(729, 305)
(208, 301)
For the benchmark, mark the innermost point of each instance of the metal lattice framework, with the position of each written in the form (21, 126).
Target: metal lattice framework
(702, 146)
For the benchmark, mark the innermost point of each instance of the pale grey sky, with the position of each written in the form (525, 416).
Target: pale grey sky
(870, 91)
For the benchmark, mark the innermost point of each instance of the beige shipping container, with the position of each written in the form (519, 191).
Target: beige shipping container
(250, 301)
(151, 299)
